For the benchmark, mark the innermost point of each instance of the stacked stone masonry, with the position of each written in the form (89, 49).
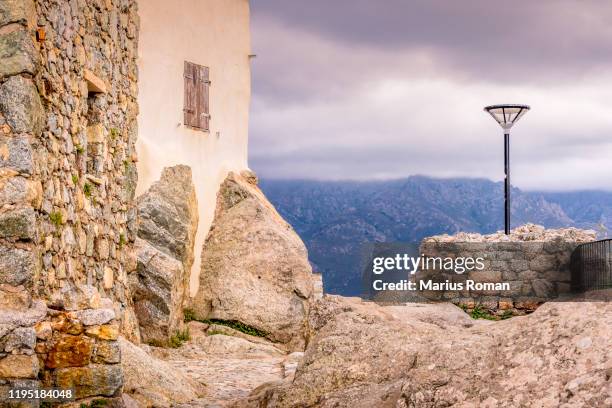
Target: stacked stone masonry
(535, 263)
(68, 89)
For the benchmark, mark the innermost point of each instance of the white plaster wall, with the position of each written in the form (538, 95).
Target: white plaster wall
(213, 33)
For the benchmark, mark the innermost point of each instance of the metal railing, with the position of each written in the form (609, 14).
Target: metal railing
(591, 266)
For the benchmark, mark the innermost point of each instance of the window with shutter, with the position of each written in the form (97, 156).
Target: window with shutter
(197, 87)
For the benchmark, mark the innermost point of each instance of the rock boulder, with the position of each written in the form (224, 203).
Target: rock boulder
(168, 214)
(255, 268)
(159, 293)
(168, 219)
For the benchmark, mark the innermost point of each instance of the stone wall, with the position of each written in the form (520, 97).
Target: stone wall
(535, 263)
(68, 88)
(85, 154)
(19, 364)
(72, 348)
(78, 349)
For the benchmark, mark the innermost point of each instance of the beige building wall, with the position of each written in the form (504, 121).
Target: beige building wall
(213, 33)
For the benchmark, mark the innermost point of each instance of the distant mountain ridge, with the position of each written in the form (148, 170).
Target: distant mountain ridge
(335, 217)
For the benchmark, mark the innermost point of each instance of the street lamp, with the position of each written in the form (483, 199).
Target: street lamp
(507, 116)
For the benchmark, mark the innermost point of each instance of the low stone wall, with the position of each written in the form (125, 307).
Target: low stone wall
(534, 262)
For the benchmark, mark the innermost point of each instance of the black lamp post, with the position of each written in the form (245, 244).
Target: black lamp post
(507, 116)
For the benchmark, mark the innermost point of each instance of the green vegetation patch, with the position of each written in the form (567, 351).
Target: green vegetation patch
(122, 240)
(175, 341)
(179, 338)
(97, 403)
(189, 315)
(156, 343)
(87, 190)
(234, 324)
(56, 218)
(479, 312)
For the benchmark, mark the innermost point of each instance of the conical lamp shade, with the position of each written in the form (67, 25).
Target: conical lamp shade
(507, 115)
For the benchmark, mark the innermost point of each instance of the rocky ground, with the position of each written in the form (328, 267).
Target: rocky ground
(364, 355)
(217, 367)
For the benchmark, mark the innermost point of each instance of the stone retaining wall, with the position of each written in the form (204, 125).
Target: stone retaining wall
(533, 261)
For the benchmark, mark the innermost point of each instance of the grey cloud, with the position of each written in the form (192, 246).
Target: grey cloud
(550, 169)
(482, 38)
(362, 89)
(568, 27)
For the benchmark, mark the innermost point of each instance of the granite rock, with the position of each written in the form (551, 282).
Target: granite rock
(19, 366)
(168, 215)
(92, 380)
(527, 232)
(20, 338)
(163, 387)
(159, 293)
(17, 52)
(255, 268)
(28, 317)
(69, 351)
(20, 224)
(94, 317)
(16, 11)
(168, 219)
(427, 355)
(20, 191)
(17, 266)
(21, 105)
(107, 352)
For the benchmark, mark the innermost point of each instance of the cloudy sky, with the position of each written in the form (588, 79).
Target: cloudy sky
(361, 89)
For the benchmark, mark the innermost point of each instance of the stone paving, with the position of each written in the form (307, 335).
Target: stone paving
(227, 367)
(227, 380)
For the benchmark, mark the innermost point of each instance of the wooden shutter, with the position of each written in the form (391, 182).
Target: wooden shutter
(197, 92)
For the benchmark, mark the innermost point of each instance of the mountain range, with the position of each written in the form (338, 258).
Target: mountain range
(335, 218)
